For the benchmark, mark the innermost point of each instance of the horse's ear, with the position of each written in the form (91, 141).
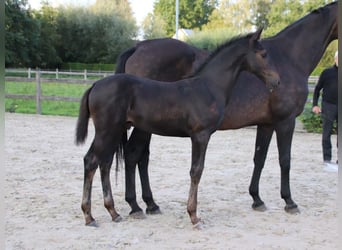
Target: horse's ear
(255, 37)
(257, 34)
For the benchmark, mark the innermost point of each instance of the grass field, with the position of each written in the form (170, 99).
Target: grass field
(48, 89)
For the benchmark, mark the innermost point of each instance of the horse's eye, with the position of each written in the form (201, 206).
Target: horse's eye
(264, 54)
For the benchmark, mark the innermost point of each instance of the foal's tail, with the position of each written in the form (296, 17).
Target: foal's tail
(122, 59)
(83, 119)
(120, 154)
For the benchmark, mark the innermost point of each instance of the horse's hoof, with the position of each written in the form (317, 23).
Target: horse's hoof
(117, 218)
(292, 209)
(137, 215)
(92, 224)
(199, 225)
(154, 210)
(259, 207)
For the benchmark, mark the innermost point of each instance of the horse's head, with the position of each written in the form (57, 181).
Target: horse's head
(259, 63)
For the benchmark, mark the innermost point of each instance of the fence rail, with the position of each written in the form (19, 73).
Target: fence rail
(39, 79)
(30, 73)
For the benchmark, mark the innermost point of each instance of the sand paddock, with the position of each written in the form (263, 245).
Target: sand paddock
(44, 178)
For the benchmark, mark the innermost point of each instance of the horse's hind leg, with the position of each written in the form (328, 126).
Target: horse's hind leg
(107, 146)
(90, 166)
(107, 189)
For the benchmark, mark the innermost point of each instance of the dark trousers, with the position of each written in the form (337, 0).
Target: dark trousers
(329, 115)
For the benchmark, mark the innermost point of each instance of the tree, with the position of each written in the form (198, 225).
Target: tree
(259, 15)
(22, 35)
(47, 17)
(116, 26)
(153, 26)
(193, 14)
(235, 15)
(96, 34)
(283, 13)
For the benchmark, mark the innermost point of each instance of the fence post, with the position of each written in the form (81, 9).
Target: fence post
(29, 73)
(56, 73)
(38, 92)
(85, 74)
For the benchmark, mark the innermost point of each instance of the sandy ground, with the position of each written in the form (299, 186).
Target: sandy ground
(44, 178)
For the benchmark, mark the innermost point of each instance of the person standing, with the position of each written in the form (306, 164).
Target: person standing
(328, 83)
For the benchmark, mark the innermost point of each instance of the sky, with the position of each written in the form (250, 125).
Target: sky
(140, 7)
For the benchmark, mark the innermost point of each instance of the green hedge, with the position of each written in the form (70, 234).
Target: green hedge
(88, 66)
(312, 122)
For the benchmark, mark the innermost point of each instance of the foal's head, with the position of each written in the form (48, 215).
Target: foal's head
(257, 62)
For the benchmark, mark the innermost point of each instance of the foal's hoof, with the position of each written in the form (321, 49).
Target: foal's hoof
(199, 225)
(137, 215)
(117, 218)
(92, 224)
(292, 209)
(261, 207)
(153, 210)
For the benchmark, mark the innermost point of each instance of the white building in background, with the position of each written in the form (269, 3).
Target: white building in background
(183, 34)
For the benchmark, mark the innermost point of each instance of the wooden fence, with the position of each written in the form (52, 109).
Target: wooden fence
(39, 76)
(84, 80)
(29, 73)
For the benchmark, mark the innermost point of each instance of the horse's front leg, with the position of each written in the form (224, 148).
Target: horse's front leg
(284, 131)
(137, 152)
(152, 207)
(263, 138)
(199, 147)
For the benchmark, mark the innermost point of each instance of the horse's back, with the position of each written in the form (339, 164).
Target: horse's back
(164, 59)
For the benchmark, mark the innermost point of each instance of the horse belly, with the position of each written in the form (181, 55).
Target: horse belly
(158, 122)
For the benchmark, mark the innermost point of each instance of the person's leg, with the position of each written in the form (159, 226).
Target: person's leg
(328, 117)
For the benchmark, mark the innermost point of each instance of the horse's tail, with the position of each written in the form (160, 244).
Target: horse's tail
(120, 153)
(83, 119)
(122, 59)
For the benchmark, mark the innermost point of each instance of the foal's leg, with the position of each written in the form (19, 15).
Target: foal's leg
(263, 138)
(199, 147)
(90, 166)
(284, 133)
(105, 167)
(107, 144)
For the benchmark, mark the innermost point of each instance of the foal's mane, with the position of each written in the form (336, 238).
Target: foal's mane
(221, 47)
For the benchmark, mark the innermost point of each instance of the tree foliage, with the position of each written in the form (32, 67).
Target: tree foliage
(193, 14)
(232, 14)
(153, 26)
(22, 34)
(49, 36)
(99, 33)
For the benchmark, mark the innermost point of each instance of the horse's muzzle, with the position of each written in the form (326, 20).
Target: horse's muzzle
(273, 81)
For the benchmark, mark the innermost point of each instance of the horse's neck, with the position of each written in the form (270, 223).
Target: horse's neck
(304, 42)
(223, 70)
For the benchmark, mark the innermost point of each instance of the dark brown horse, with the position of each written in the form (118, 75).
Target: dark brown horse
(193, 107)
(295, 51)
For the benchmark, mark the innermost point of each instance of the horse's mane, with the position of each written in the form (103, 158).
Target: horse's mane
(315, 11)
(219, 48)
